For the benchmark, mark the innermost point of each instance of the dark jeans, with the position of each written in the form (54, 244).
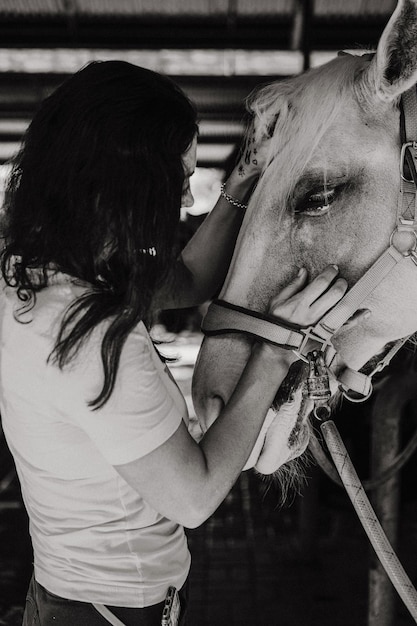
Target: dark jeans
(46, 609)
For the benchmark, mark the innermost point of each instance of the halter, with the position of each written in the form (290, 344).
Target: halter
(223, 317)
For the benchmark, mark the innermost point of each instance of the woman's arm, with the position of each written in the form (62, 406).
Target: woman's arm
(202, 266)
(186, 481)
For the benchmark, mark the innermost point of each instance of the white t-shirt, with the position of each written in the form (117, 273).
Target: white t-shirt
(94, 538)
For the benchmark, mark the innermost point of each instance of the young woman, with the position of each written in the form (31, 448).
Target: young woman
(98, 429)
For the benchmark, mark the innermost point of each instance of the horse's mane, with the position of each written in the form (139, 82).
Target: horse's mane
(298, 112)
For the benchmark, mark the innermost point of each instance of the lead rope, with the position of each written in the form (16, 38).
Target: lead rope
(108, 615)
(318, 390)
(368, 518)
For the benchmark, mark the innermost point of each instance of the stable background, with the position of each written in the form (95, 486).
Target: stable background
(254, 563)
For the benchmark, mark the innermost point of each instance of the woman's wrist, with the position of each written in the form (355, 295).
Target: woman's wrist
(232, 199)
(236, 190)
(238, 184)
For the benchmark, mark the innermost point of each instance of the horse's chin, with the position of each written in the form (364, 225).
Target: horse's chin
(284, 466)
(289, 478)
(268, 463)
(284, 435)
(287, 429)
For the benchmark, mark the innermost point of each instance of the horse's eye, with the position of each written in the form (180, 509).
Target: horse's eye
(317, 203)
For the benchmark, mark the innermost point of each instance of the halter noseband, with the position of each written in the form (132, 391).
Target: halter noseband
(223, 317)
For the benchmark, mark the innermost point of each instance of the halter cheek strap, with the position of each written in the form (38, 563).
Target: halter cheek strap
(224, 317)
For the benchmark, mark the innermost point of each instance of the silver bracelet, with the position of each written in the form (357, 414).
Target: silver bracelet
(231, 199)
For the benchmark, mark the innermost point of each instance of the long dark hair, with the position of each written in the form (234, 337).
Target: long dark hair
(95, 192)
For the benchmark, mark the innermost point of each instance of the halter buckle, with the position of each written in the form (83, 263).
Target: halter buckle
(318, 385)
(310, 335)
(404, 147)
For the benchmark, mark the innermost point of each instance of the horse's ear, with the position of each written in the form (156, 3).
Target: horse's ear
(393, 69)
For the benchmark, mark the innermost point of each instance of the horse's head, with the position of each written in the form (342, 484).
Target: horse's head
(328, 194)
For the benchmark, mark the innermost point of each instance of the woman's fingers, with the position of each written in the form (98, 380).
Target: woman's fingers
(321, 283)
(357, 318)
(305, 305)
(291, 289)
(328, 299)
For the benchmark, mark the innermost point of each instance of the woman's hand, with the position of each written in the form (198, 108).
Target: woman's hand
(254, 152)
(303, 304)
(252, 159)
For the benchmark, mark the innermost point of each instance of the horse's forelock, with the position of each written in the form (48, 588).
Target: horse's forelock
(300, 110)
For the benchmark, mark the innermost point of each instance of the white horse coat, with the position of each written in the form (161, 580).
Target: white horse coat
(328, 194)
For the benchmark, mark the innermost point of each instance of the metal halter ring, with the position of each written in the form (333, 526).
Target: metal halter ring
(360, 399)
(322, 412)
(404, 238)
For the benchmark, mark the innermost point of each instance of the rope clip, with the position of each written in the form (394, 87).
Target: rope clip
(318, 385)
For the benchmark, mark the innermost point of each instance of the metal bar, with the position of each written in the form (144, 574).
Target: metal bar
(308, 9)
(301, 27)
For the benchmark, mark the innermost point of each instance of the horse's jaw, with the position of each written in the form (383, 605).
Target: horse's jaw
(285, 432)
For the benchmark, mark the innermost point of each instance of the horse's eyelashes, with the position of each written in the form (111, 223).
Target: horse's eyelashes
(316, 203)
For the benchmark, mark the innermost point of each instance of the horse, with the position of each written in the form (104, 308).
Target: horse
(329, 193)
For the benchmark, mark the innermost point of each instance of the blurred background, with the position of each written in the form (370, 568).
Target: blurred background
(307, 563)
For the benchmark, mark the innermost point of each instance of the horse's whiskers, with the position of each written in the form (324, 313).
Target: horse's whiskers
(290, 478)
